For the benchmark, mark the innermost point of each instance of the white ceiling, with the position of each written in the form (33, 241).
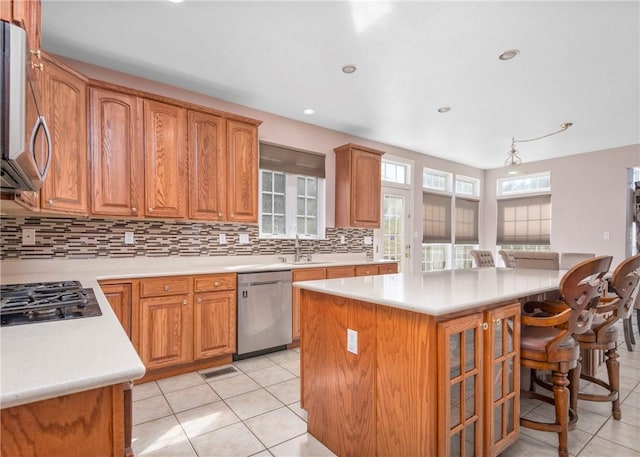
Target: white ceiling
(579, 62)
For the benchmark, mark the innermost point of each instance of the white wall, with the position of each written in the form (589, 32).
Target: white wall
(588, 198)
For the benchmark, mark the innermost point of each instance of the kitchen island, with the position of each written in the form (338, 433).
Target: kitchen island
(416, 364)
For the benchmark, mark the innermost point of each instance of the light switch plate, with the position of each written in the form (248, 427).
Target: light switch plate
(368, 240)
(342, 239)
(243, 238)
(129, 238)
(222, 238)
(28, 237)
(607, 235)
(352, 341)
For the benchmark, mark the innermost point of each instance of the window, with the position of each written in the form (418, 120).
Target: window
(540, 182)
(395, 172)
(466, 234)
(291, 204)
(436, 180)
(434, 256)
(524, 221)
(273, 197)
(467, 186)
(307, 205)
(462, 255)
(291, 192)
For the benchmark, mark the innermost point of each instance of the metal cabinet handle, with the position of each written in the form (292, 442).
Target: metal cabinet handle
(166, 288)
(220, 214)
(498, 321)
(49, 202)
(216, 284)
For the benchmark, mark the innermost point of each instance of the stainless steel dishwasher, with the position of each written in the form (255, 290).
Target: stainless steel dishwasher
(264, 312)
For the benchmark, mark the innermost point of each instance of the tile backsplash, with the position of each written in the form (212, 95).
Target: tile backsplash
(74, 238)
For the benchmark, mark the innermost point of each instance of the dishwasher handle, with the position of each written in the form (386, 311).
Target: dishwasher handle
(263, 283)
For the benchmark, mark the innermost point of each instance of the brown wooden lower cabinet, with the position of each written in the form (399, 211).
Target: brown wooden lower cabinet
(88, 423)
(419, 385)
(177, 323)
(119, 297)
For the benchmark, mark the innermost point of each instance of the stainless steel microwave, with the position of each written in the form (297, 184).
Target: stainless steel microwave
(24, 136)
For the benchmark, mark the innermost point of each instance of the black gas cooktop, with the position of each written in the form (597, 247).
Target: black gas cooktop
(46, 301)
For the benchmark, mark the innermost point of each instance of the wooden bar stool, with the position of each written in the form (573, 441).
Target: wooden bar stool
(603, 335)
(547, 342)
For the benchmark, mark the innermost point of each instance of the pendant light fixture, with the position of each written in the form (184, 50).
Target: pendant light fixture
(513, 159)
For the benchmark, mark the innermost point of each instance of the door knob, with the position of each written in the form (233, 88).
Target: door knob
(134, 210)
(216, 284)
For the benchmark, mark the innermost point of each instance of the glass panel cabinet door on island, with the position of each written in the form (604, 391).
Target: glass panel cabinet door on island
(479, 382)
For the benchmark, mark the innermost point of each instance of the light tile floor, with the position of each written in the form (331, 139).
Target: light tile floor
(256, 412)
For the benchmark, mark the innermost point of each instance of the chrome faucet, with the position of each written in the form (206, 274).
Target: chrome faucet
(297, 248)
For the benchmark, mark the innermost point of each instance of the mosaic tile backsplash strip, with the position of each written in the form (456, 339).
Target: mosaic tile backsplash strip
(92, 238)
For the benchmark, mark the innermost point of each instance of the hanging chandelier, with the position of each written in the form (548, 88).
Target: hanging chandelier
(513, 159)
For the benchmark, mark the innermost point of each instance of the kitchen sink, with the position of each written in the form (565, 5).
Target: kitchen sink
(304, 262)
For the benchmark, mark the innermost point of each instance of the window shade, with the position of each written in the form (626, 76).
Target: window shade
(288, 160)
(436, 218)
(466, 221)
(525, 220)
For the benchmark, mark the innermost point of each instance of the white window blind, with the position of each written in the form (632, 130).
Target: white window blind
(466, 221)
(436, 219)
(525, 221)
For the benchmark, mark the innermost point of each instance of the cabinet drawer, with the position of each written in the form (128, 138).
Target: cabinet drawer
(387, 268)
(212, 283)
(308, 274)
(158, 287)
(340, 272)
(366, 270)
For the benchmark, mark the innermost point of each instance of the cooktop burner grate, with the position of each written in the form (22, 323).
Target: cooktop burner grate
(38, 302)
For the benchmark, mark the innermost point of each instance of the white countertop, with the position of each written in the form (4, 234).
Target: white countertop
(441, 292)
(50, 359)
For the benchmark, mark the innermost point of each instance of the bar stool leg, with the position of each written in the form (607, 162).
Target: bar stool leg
(574, 388)
(613, 371)
(561, 398)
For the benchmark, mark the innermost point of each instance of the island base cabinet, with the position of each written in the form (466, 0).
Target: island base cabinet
(81, 424)
(414, 384)
(479, 382)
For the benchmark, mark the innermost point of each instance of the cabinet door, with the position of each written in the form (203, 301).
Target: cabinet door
(165, 331)
(214, 324)
(242, 163)
(117, 169)
(65, 187)
(365, 189)
(303, 274)
(502, 378)
(460, 373)
(165, 159)
(207, 167)
(119, 296)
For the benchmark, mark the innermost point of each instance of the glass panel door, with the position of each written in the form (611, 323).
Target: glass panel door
(395, 242)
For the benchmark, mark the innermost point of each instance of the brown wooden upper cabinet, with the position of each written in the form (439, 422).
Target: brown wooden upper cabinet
(207, 167)
(165, 136)
(65, 188)
(242, 157)
(358, 186)
(115, 151)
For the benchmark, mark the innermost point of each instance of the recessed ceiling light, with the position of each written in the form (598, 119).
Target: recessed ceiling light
(348, 69)
(508, 55)
(512, 172)
(176, 1)
(444, 109)
(308, 111)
